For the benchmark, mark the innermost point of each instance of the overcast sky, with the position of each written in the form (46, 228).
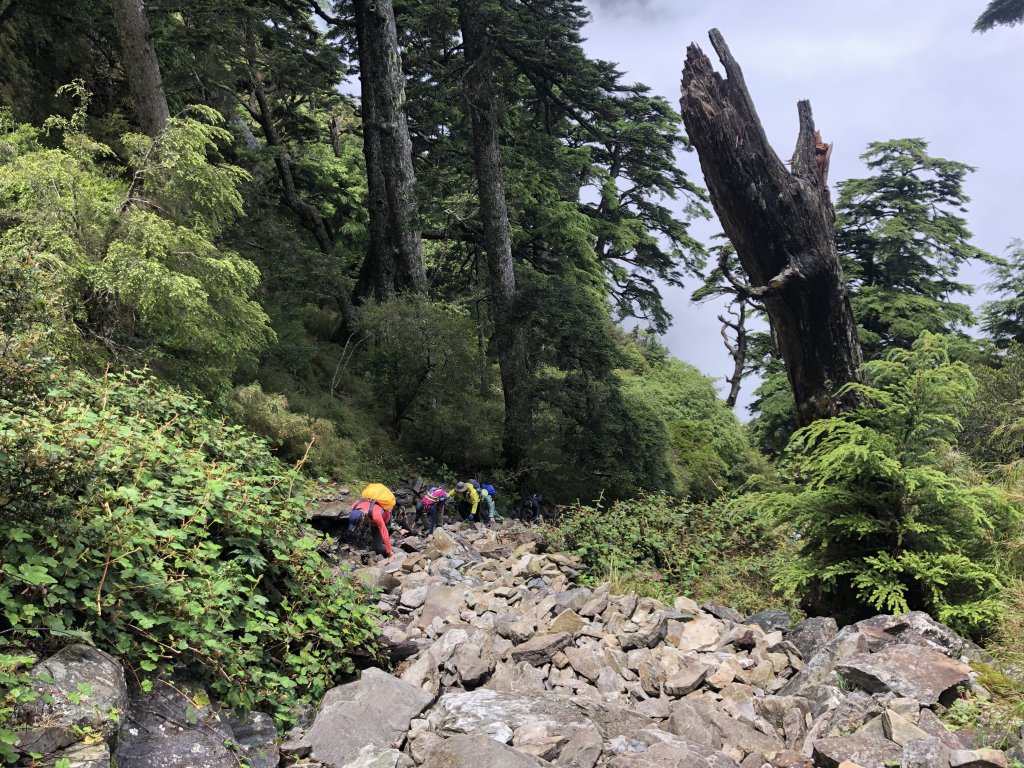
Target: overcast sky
(872, 71)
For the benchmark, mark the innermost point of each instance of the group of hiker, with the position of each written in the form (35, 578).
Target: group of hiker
(472, 500)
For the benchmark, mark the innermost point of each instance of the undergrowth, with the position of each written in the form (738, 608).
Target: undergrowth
(661, 547)
(132, 520)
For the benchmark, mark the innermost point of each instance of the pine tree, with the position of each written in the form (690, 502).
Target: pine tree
(1002, 320)
(884, 519)
(903, 242)
(1000, 12)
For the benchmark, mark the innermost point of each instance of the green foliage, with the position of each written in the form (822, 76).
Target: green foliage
(1000, 13)
(775, 422)
(427, 369)
(883, 518)
(293, 436)
(134, 266)
(133, 519)
(994, 424)
(27, 318)
(903, 241)
(15, 689)
(1002, 320)
(591, 437)
(708, 450)
(655, 545)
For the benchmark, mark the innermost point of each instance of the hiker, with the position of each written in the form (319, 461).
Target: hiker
(488, 498)
(486, 504)
(467, 499)
(530, 508)
(493, 505)
(374, 508)
(431, 506)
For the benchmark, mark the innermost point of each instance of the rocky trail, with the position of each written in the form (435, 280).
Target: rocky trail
(511, 664)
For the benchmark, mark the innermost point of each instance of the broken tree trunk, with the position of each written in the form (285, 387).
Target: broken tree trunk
(781, 223)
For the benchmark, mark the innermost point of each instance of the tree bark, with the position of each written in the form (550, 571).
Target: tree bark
(395, 256)
(509, 331)
(141, 65)
(781, 224)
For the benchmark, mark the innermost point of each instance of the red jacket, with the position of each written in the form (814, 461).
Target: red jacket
(379, 517)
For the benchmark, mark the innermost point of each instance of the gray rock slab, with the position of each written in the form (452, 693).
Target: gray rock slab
(866, 751)
(909, 671)
(163, 728)
(811, 635)
(79, 687)
(517, 678)
(442, 601)
(770, 621)
(855, 710)
(647, 637)
(899, 729)
(483, 709)
(374, 710)
(688, 722)
(476, 751)
(930, 723)
(925, 753)
(920, 624)
(189, 748)
(375, 757)
(572, 599)
(581, 751)
(539, 650)
(676, 754)
(687, 679)
(723, 612)
(255, 735)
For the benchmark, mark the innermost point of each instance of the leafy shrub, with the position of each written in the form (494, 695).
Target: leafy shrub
(884, 518)
(26, 323)
(294, 436)
(439, 391)
(994, 424)
(15, 689)
(133, 519)
(707, 447)
(655, 545)
(129, 251)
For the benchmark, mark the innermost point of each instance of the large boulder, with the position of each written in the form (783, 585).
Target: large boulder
(909, 671)
(674, 754)
(374, 710)
(811, 635)
(499, 713)
(474, 751)
(770, 621)
(80, 689)
(174, 725)
(538, 650)
(864, 750)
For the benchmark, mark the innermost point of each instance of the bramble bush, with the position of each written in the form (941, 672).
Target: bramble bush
(131, 519)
